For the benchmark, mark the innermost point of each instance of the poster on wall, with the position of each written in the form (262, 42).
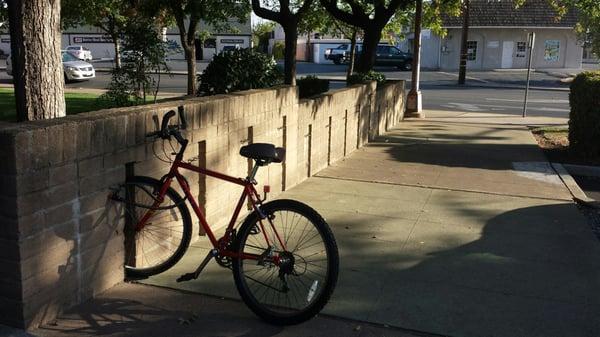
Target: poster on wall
(551, 50)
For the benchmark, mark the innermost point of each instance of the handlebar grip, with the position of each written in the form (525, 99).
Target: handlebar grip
(165, 122)
(182, 118)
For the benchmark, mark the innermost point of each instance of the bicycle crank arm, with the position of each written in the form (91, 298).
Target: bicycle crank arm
(194, 275)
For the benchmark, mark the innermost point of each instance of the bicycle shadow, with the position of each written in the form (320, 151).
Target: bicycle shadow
(89, 247)
(130, 311)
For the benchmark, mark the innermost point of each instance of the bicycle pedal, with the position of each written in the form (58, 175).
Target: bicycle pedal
(187, 277)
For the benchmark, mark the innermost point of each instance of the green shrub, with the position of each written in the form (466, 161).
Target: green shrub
(278, 50)
(584, 118)
(311, 85)
(358, 78)
(239, 69)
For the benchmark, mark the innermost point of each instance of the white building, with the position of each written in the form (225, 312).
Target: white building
(102, 46)
(498, 38)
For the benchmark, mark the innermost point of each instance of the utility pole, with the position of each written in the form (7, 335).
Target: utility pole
(413, 101)
(462, 68)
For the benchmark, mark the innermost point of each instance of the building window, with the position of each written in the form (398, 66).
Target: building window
(551, 50)
(471, 50)
(521, 49)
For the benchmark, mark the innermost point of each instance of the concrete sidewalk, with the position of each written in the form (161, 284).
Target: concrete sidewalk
(455, 225)
(139, 310)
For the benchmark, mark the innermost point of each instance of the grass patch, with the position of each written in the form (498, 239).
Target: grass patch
(76, 103)
(554, 140)
(552, 137)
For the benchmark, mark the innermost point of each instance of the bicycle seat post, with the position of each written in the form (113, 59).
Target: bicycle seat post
(252, 174)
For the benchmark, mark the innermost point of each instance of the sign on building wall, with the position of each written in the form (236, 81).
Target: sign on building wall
(551, 50)
(92, 39)
(493, 44)
(232, 40)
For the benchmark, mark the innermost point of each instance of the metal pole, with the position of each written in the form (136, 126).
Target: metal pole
(531, 38)
(413, 100)
(417, 47)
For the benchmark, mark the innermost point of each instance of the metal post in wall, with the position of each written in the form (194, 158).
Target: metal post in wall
(530, 44)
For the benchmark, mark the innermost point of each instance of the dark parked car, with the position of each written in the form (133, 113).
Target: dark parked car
(386, 55)
(392, 56)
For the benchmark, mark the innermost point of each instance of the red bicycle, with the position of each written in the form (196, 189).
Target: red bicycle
(283, 256)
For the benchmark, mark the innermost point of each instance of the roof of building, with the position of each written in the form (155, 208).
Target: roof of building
(502, 13)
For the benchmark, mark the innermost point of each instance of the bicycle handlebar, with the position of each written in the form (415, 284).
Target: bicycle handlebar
(166, 130)
(165, 123)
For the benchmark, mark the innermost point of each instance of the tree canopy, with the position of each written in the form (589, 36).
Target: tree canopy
(371, 17)
(187, 15)
(288, 14)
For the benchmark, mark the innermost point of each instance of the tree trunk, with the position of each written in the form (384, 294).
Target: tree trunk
(35, 38)
(289, 67)
(352, 54)
(369, 50)
(190, 57)
(117, 43)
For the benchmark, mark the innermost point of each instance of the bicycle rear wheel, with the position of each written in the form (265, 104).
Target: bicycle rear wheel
(291, 285)
(166, 235)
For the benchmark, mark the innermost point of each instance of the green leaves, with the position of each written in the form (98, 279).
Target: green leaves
(239, 69)
(584, 118)
(360, 78)
(311, 85)
(144, 55)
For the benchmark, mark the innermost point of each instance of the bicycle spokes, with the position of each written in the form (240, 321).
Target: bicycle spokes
(288, 280)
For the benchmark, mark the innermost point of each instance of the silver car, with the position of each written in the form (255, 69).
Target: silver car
(80, 52)
(74, 69)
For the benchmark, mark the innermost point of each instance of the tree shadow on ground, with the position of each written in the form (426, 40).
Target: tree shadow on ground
(489, 149)
(528, 272)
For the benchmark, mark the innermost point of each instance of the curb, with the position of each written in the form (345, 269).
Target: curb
(176, 72)
(570, 183)
(426, 85)
(583, 170)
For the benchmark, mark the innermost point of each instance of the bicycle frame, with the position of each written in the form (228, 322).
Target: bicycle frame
(221, 245)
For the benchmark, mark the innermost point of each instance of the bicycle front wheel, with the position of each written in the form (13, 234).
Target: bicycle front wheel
(160, 242)
(297, 270)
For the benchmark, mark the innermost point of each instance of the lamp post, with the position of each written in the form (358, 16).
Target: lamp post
(413, 102)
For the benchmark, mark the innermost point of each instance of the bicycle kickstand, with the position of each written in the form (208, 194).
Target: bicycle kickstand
(194, 275)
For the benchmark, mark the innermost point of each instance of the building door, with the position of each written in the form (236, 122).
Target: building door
(507, 54)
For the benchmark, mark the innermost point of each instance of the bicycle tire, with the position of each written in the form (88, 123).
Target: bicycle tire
(161, 236)
(274, 313)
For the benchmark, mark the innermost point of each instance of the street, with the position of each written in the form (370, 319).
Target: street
(439, 88)
(541, 103)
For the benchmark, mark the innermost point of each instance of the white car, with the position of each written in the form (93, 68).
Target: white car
(74, 69)
(80, 52)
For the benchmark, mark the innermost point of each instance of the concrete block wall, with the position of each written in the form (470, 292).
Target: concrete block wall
(62, 239)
